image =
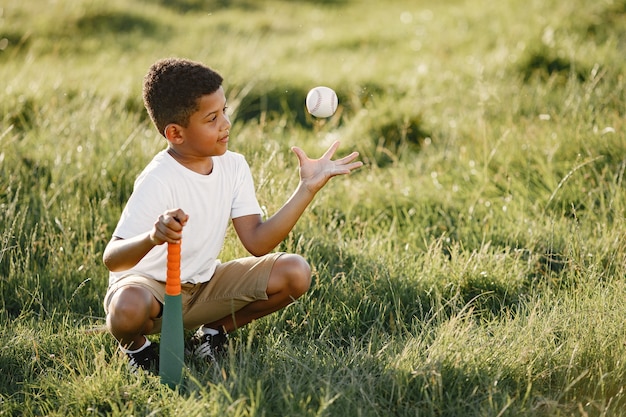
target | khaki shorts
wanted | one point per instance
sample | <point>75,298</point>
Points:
<point>234,285</point>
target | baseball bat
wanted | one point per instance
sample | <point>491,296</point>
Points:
<point>171,350</point>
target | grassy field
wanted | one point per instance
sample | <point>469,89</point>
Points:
<point>474,267</point>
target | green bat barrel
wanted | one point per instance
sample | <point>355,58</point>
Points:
<point>172,342</point>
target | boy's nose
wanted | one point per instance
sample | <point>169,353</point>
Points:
<point>226,123</point>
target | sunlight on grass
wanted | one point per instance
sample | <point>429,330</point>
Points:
<point>473,266</point>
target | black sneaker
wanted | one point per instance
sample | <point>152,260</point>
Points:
<point>146,359</point>
<point>206,346</point>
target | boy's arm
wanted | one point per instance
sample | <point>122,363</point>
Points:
<point>123,254</point>
<point>260,237</point>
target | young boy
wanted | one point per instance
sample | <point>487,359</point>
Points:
<point>189,192</point>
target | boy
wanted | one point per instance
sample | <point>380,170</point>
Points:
<point>190,191</point>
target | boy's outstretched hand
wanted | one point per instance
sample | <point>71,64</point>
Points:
<point>315,173</point>
<point>260,237</point>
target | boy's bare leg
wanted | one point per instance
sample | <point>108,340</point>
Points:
<point>289,279</point>
<point>131,315</point>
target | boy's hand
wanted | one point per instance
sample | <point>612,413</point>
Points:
<point>169,227</point>
<point>315,173</point>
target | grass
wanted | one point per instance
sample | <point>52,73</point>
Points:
<point>473,267</point>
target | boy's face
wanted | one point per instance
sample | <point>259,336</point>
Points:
<point>207,133</point>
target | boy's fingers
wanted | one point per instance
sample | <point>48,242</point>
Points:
<point>181,216</point>
<point>168,228</point>
<point>300,154</point>
<point>175,219</point>
<point>348,158</point>
<point>172,223</point>
<point>331,150</point>
<point>353,166</point>
<point>158,236</point>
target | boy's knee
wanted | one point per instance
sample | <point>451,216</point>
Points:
<point>291,276</point>
<point>129,309</point>
<point>299,274</point>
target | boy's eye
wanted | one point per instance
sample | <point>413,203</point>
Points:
<point>213,116</point>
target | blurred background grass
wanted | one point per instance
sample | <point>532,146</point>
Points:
<point>474,266</point>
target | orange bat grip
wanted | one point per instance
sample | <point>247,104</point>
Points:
<point>172,282</point>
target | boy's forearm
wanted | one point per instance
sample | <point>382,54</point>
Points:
<point>123,254</point>
<point>289,214</point>
<point>274,230</point>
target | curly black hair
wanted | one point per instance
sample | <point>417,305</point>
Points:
<point>172,88</point>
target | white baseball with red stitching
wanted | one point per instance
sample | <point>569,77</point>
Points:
<point>321,102</point>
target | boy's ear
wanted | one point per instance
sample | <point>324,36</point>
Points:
<point>173,133</point>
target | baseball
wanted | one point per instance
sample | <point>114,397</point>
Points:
<point>321,102</point>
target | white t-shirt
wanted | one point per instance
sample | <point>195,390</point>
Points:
<point>209,200</point>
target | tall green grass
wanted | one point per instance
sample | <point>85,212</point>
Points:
<point>474,266</point>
